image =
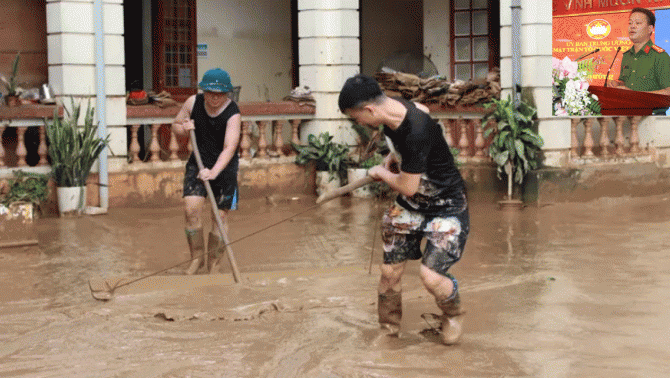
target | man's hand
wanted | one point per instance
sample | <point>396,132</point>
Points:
<point>376,172</point>
<point>391,163</point>
<point>207,174</point>
<point>188,125</point>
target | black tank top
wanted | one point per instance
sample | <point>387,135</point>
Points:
<point>210,133</point>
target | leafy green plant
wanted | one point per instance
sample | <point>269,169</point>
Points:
<point>73,149</point>
<point>26,187</point>
<point>515,147</point>
<point>10,83</point>
<point>326,154</point>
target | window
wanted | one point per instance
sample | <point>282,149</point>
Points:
<point>475,36</point>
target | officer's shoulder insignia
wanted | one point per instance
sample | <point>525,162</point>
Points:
<point>658,49</point>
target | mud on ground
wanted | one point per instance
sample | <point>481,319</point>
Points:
<point>560,291</point>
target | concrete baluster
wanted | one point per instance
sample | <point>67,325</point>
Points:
<point>447,123</point>
<point>134,144</point>
<point>464,143</point>
<point>21,151</point>
<point>155,147</point>
<point>574,144</point>
<point>42,149</point>
<point>604,136</point>
<point>295,137</point>
<point>479,138</point>
<point>245,141</point>
<point>278,126</point>
<point>262,142</point>
<point>619,140</point>
<point>588,137</point>
<point>634,136</point>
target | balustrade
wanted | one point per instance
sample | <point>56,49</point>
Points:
<point>606,147</point>
<point>467,135</point>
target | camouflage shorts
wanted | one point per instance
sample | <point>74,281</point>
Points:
<point>403,230</point>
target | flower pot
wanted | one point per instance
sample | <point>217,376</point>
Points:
<point>326,181</point>
<point>71,200</point>
<point>12,101</point>
<point>354,174</point>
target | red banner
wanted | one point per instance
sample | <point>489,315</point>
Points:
<point>581,7</point>
<point>577,36</point>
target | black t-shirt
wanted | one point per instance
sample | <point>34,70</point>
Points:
<point>210,133</point>
<point>420,142</point>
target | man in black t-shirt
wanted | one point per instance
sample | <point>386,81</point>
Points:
<point>431,204</point>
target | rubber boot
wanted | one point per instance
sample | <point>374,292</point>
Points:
<point>389,306</point>
<point>214,251</point>
<point>452,317</point>
<point>196,243</point>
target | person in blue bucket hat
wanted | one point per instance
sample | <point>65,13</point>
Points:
<point>216,120</point>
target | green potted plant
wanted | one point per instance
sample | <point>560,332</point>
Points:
<point>370,145</point>
<point>11,85</point>
<point>328,157</point>
<point>515,147</point>
<point>73,150</point>
<point>25,189</point>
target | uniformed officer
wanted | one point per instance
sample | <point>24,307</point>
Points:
<point>645,66</point>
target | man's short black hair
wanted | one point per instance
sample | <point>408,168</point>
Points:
<point>651,19</point>
<point>357,90</point>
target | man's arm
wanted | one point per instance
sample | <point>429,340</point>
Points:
<point>405,183</point>
<point>182,122</point>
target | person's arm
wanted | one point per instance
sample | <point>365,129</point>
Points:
<point>403,182</point>
<point>422,107</point>
<point>183,123</point>
<point>662,68</point>
<point>231,141</point>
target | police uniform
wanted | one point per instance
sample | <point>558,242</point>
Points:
<point>646,70</point>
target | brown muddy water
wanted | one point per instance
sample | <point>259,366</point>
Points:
<point>559,291</point>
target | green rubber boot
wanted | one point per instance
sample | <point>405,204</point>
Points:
<point>389,306</point>
<point>214,251</point>
<point>196,244</point>
<point>452,317</point>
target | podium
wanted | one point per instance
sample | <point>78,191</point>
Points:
<point>615,101</point>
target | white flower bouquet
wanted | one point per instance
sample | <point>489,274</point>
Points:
<point>570,88</point>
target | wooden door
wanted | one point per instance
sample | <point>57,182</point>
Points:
<point>174,47</point>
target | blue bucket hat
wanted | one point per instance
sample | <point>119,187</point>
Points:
<point>216,80</point>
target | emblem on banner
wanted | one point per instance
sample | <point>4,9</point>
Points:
<point>598,29</point>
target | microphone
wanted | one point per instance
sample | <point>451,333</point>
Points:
<point>613,60</point>
<point>587,54</point>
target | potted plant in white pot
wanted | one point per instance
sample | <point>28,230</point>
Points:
<point>515,147</point>
<point>328,157</point>
<point>73,150</point>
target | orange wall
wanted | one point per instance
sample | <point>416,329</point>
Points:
<point>23,27</point>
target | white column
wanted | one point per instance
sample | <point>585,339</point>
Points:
<point>329,53</point>
<point>535,71</point>
<point>71,59</point>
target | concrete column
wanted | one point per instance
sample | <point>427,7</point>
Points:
<point>71,59</point>
<point>535,72</point>
<point>329,53</point>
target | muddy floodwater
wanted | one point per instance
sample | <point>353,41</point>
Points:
<point>570,290</point>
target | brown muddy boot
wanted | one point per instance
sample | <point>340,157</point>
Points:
<point>196,243</point>
<point>214,251</point>
<point>452,317</point>
<point>389,306</point>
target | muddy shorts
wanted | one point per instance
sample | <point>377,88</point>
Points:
<point>403,231</point>
<point>224,187</point>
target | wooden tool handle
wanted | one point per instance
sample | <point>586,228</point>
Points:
<point>215,210</point>
<point>327,196</point>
